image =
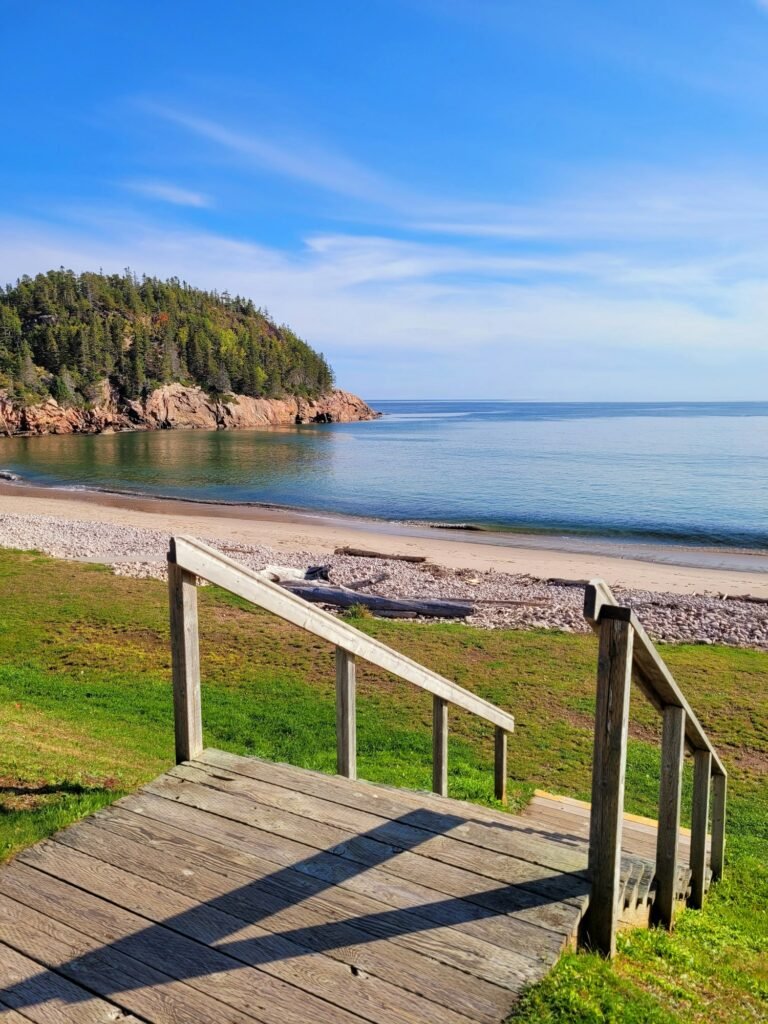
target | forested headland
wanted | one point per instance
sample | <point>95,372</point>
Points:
<point>62,334</point>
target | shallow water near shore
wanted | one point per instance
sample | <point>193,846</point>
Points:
<point>634,474</point>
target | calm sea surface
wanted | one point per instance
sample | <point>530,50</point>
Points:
<point>693,473</point>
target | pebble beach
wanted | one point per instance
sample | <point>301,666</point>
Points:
<point>501,600</point>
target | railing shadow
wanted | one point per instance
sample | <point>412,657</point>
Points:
<point>180,946</point>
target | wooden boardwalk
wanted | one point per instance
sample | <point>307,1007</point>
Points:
<point>232,889</point>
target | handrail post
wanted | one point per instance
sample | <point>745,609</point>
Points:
<point>719,794</point>
<point>668,836</point>
<point>500,763</point>
<point>702,773</point>
<point>346,714</point>
<point>185,660</point>
<point>439,746</point>
<point>614,674</point>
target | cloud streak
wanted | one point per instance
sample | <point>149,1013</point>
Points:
<point>666,273</point>
<point>300,159</point>
<point>351,294</point>
<point>168,193</point>
<point>620,204</point>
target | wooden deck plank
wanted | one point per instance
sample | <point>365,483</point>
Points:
<point>302,870</point>
<point>199,917</point>
<point>572,817</point>
<point>578,811</point>
<point>9,1016</point>
<point>320,925</point>
<point>638,844</point>
<point>472,827</point>
<point>31,993</point>
<point>307,870</point>
<point>543,896</point>
<point>234,891</point>
<point>246,993</point>
<point>149,993</point>
<point>455,867</point>
<point>283,903</point>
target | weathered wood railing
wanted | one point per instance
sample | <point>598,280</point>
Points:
<point>627,653</point>
<point>189,558</point>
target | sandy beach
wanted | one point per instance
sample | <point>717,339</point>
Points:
<point>518,585</point>
<point>635,567</point>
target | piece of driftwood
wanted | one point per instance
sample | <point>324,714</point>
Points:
<point>363,553</point>
<point>279,573</point>
<point>372,581</point>
<point>457,526</point>
<point>343,598</point>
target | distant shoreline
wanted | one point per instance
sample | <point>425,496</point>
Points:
<point>656,567</point>
<point>657,549</point>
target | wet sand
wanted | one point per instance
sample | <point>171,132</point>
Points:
<point>623,564</point>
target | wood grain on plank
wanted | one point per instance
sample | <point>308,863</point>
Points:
<point>47,998</point>
<point>292,910</point>
<point>138,988</point>
<point>195,913</point>
<point>466,869</point>
<point>551,900</point>
<point>532,925</point>
<point>290,894</point>
<point>246,993</point>
<point>9,1016</point>
<point>479,826</point>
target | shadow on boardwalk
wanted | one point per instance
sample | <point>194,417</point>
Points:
<point>202,942</point>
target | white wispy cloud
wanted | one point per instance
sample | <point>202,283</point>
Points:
<point>623,205</point>
<point>169,193</point>
<point>617,204</point>
<point>347,293</point>
<point>300,158</point>
<point>632,286</point>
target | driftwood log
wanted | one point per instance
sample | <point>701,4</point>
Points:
<point>363,553</point>
<point>357,584</point>
<point>341,597</point>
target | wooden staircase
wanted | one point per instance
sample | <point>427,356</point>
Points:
<point>567,821</point>
<point>233,889</point>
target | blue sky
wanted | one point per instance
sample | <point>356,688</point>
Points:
<point>550,200</point>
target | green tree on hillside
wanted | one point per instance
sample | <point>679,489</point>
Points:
<point>62,333</point>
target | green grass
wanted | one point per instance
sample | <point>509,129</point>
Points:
<point>85,715</point>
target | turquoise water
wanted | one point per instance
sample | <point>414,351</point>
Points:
<point>693,473</point>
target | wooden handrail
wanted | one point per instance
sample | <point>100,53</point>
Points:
<point>189,559</point>
<point>651,674</point>
<point>626,653</point>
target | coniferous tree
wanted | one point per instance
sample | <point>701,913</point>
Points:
<point>61,334</point>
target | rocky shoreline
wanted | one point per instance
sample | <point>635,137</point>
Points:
<point>177,407</point>
<point>501,600</point>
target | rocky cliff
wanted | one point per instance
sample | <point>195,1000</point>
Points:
<point>176,407</point>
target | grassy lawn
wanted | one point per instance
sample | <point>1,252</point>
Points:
<point>85,716</point>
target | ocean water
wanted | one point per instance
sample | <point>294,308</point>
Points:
<point>686,473</point>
